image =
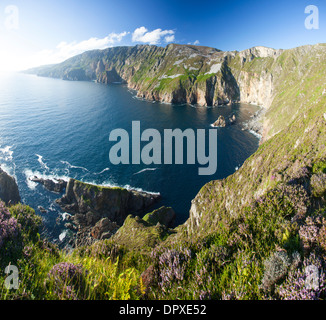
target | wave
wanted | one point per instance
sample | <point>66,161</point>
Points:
<point>7,153</point>
<point>29,174</point>
<point>104,170</point>
<point>64,215</point>
<point>127,187</point>
<point>147,169</point>
<point>259,136</point>
<point>62,235</point>
<point>72,166</point>
<point>42,163</point>
<point>11,171</point>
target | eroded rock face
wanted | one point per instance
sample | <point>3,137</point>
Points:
<point>220,122</point>
<point>9,192</point>
<point>112,203</point>
<point>97,212</point>
<point>232,119</point>
<point>104,229</point>
<point>165,216</point>
<point>53,185</point>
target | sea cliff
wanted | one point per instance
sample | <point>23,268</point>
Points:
<point>251,235</point>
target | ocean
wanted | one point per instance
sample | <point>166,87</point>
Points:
<point>52,128</point>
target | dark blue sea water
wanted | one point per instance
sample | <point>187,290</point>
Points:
<point>55,128</point>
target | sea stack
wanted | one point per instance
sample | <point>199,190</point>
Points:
<point>220,122</point>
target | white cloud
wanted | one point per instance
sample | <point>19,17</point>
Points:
<point>152,37</point>
<point>64,50</point>
<point>74,48</point>
<point>169,38</point>
<point>196,43</point>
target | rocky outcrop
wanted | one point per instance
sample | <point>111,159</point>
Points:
<point>9,192</point>
<point>53,185</point>
<point>165,216</point>
<point>97,212</point>
<point>220,122</point>
<point>232,120</point>
<point>113,203</point>
<point>86,232</point>
<point>104,229</point>
<point>138,234</point>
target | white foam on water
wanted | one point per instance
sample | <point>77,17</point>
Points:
<point>9,170</point>
<point>127,187</point>
<point>259,136</point>
<point>42,163</point>
<point>6,153</point>
<point>72,166</point>
<point>62,235</point>
<point>65,215</point>
<point>29,174</point>
<point>147,169</point>
<point>104,170</point>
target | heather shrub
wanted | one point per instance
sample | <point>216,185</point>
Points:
<point>312,234</point>
<point>318,184</point>
<point>10,237</point>
<point>29,221</point>
<point>304,283</point>
<point>171,265</point>
<point>66,281</point>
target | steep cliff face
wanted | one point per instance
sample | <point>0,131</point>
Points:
<point>96,202</point>
<point>292,158</point>
<point>177,73</point>
<point>195,75</point>
<point>9,192</point>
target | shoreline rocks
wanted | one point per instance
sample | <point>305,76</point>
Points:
<point>53,185</point>
<point>112,202</point>
<point>164,215</point>
<point>255,124</point>
<point>98,212</point>
<point>9,192</point>
<point>232,119</point>
<point>220,122</point>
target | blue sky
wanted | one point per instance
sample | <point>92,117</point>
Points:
<point>50,31</point>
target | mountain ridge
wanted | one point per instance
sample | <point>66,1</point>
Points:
<point>185,73</point>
